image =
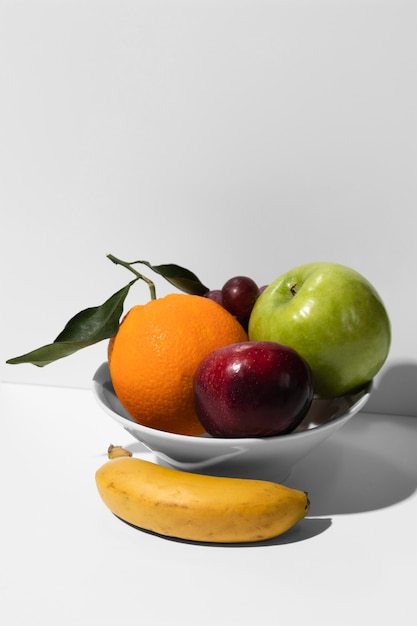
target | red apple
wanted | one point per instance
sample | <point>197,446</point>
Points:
<point>252,389</point>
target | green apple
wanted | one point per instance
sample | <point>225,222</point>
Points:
<point>333,317</point>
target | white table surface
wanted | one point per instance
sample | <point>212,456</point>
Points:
<point>66,560</point>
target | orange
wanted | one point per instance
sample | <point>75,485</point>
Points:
<point>155,354</point>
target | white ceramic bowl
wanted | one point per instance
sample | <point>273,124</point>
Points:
<point>265,457</point>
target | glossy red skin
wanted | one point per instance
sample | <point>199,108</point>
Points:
<point>252,389</point>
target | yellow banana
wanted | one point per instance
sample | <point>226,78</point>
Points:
<point>114,452</point>
<point>195,507</point>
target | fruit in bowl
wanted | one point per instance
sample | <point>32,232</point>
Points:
<point>252,389</point>
<point>333,317</point>
<point>330,315</point>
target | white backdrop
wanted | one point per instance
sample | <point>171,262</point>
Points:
<point>231,137</point>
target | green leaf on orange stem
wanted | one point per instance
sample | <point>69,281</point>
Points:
<point>84,329</point>
<point>180,277</point>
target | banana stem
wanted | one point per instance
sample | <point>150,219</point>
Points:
<point>128,266</point>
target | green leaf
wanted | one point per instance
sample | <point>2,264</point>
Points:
<point>49,353</point>
<point>180,277</point>
<point>84,329</point>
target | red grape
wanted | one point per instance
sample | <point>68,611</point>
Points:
<point>239,295</point>
<point>214,294</point>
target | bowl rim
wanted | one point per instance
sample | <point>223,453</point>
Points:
<point>102,378</point>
